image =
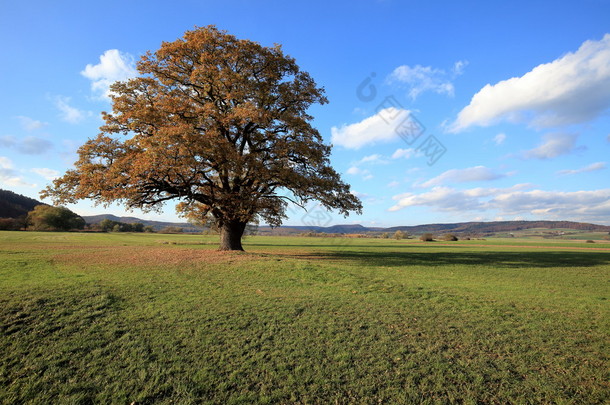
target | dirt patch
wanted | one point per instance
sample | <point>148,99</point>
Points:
<point>147,256</point>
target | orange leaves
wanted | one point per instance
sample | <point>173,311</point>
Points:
<point>216,122</point>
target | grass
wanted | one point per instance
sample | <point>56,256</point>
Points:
<point>119,318</point>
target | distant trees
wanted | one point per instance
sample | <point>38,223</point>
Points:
<point>449,237</point>
<point>8,224</point>
<point>427,237</point>
<point>108,225</point>
<point>47,218</point>
<point>398,235</point>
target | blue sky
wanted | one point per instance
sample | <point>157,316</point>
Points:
<point>439,111</point>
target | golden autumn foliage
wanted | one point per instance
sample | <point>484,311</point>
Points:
<point>219,124</point>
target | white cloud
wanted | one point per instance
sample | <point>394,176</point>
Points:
<point>420,79</point>
<point>591,205</point>
<point>354,170</point>
<point>393,184</point>
<point>48,174</point>
<point>379,128</point>
<point>458,67</point>
<point>69,114</point>
<point>114,66</point>
<point>553,145</point>
<point>591,168</point>
<point>30,145</point>
<point>375,158</point>
<point>404,153</point>
<point>30,124</point>
<point>5,163</point>
<point>499,139</point>
<point>9,176</point>
<point>477,173</point>
<point>572,89</point>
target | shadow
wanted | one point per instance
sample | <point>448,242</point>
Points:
<point>540,259</point>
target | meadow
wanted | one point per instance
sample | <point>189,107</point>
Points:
<point>149,318</point>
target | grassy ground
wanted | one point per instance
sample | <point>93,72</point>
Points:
<point>116,318</point>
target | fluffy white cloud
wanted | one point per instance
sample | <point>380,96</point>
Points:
<point>378,128</point>
<point>404,153</point>
<point>69,114</point>
<point>593,206</point>
<point>114,66</point>
<point>553,145</point>
<point>477,173</point>
<point>499,139</point>
<point>375,158</point>
<point>393,184</point>
<point>590,168</point>
<point>355,171</point>
<point>9,176</point>
<point>48,174</point>
<point>420,79</point>
<point>30,124</point>
<point>572,89</point>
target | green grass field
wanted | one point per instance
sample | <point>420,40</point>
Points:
<point>148,318</point>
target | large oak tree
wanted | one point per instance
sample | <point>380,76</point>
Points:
<point>219,124</point>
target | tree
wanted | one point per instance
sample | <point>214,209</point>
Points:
<point>398,235</point>
<point>427,237</point>
<point>219,124</point>
<point>47,218</point>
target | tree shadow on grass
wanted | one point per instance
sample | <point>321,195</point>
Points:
<point>543,259</point>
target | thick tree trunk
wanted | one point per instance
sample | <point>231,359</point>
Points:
<point>230,235</point>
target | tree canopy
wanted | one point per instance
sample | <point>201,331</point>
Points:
<point>47,218</point>
<point>219,124</point>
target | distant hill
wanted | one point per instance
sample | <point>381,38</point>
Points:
<point>498,226</point>
<point>157,225</point>
<point>13,205</point>
<point>462,228</point>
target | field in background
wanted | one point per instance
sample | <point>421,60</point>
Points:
<point>149,318</point>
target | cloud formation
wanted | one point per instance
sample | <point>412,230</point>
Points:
<point>404,153</point>
<point>30,145</point>
<point>9,176</point>
<point>477,173</point>
<point>68,113</point>
<point>499,139</point>
<point>48,174</point>
<point>592,206</point>
<point>572,89</point>
<point>553,145</point>
<point>590,168</point>
<point>114,66</point>
<point>420,79</point>
<point>30,124</point>
<point>379,128</point>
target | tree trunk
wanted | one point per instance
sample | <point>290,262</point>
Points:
<point>230,235</point>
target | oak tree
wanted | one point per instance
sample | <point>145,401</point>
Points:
<point>217,123</point>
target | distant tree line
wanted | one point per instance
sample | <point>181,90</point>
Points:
<point>48,218</point>
<point>108,225</point>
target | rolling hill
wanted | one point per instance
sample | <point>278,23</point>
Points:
<point>13,205</point>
